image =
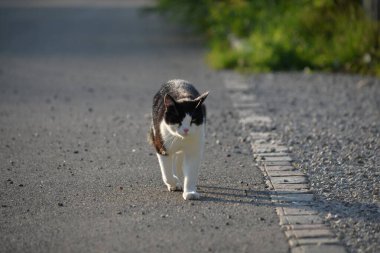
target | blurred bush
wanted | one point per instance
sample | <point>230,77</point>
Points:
<point>266,35</point>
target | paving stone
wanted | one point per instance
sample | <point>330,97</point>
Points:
<point>288,186</point>
<point>268,148</point>
<point>300,219</point>
<point>255,119</point>
<point>284,173</point>
<point>246,105</point>
<point>299,210</point>
<point>290,191</point>
<point>279,168</point>
<point>260,141</point>
<point>266,141</point>
<point>307,241</point>
<point>276,159</point>
<point>309,233</point>
<point>270,154</point>
<point>304,226</point>
<point>323,248</point>
<point>262,136</point>
<point>242,97</point>
<point>276,163</point>
<point>289,180</point>
<point>296,210</point>
<point>247,113</point>
<point>236,86</point>
<point>296,197</point>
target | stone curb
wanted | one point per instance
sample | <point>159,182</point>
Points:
<point>290,193</point>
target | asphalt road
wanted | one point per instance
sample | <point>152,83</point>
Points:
<point>77,175</point>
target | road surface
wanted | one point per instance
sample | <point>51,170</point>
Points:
<point>77,174</point>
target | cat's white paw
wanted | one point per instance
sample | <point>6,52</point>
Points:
<point>191,195</point>
<point>173,188</point>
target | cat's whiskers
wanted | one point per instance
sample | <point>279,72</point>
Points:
<point>170,139</point>
<point>172,142</point>
<point>173,133</point>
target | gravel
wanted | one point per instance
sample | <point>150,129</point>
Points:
<point>331,122</point>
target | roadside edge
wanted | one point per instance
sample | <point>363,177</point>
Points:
<point>289,189</point>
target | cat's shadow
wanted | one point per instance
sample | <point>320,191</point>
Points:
<point>228,195</point>
<point>219,194</point>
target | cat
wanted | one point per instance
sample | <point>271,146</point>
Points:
<point>178,135</point>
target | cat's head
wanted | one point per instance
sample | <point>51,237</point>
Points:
<point>185,116</point>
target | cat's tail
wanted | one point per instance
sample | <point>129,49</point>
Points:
<point>156,142</point>
<point>150,137</point>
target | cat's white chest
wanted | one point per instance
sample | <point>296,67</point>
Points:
<point>176,140</point>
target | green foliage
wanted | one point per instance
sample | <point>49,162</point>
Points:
<point>265,35</point>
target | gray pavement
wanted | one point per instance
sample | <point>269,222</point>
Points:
<point>77,175</point>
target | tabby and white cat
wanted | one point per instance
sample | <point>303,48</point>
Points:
<point>178,135</point>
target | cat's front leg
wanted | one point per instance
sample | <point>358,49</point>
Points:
<point>190,171</point>
<point>178,165</point>
<point>166,165</point>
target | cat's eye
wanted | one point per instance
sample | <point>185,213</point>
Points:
<point>172,111</point>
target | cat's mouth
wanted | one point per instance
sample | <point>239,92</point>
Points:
<point>183,135</point>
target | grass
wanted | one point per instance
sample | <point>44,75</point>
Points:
<point>272,35</point>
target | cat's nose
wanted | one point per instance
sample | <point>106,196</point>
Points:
<point>186,130</point>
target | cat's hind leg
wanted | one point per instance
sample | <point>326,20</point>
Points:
<point>166,165</point>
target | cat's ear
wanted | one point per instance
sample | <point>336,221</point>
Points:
<point>201,99</point>
<point>168,101</point>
